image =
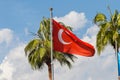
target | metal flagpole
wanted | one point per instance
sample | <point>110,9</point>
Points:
<point>52,65</point>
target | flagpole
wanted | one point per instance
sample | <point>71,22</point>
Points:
<point>52,65</point>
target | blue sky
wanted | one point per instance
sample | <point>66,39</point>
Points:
<point>19,18</point>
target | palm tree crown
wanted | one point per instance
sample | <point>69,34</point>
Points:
<point>109,30</point>
<point>38,50</point>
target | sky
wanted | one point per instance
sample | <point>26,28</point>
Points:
<point>20,18</point>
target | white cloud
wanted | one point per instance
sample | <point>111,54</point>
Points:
<point>90,35</point>
<point>6,35</point>
<point>92,31</point>
<point>16,67</point>
<point>74,19</point>
<point>90,68</point>
<point>7,71</point>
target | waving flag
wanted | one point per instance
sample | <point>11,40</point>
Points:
<point>65,41</point>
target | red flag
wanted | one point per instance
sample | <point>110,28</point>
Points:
<point>65,41</point>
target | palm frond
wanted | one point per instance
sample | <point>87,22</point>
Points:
<point>100,18</point>
<point>32,45</point>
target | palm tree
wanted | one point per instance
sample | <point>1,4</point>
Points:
<point>38,50</point>
<point>109,31</point>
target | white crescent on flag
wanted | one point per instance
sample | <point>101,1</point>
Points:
<point>60,37</point>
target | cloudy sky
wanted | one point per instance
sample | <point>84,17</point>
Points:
<point>18,19</point>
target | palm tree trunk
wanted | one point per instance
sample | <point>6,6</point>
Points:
<point>50,71</point>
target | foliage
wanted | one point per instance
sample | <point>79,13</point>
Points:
<point>109,32</point>
<point>38,50</point>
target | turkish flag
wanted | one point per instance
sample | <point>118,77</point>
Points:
<point>65,41</point>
